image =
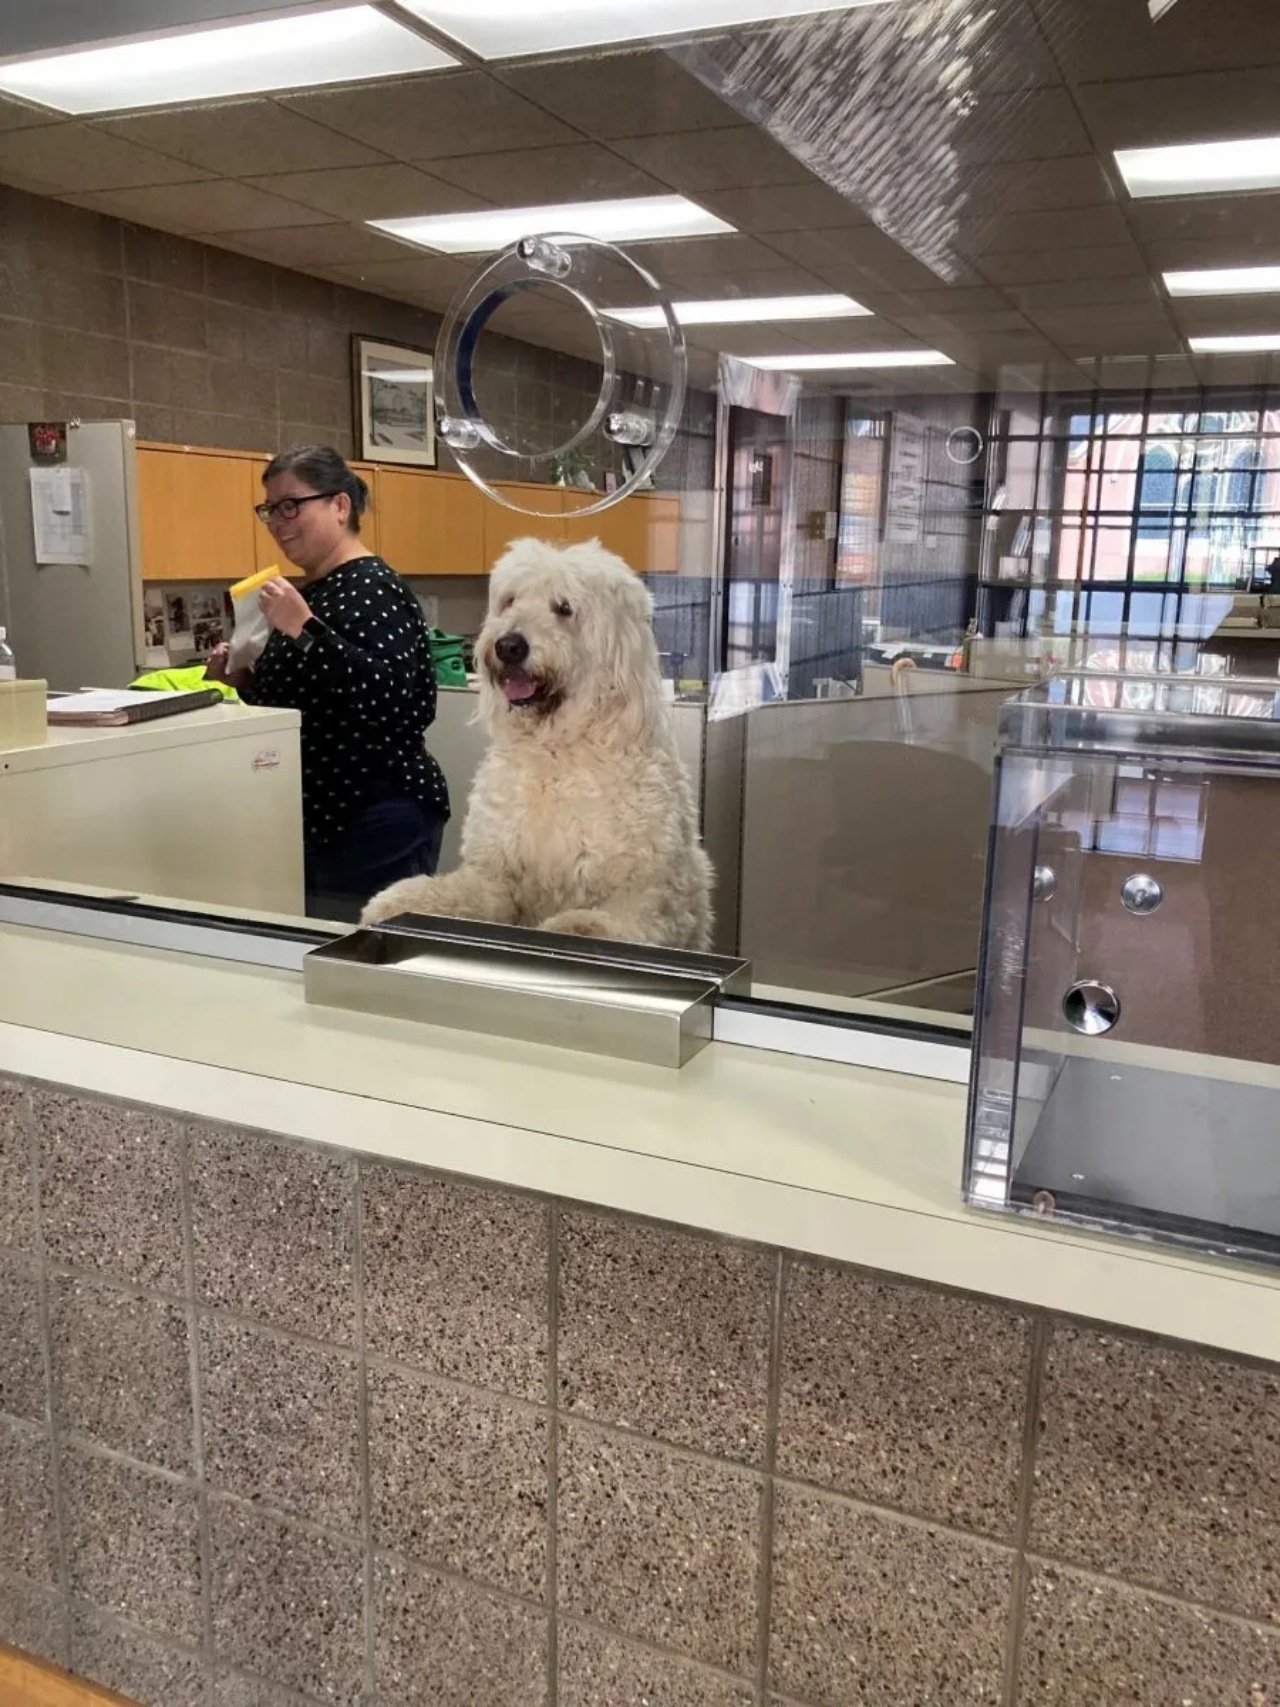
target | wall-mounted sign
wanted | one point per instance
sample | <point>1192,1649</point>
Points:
<point>47,441</point>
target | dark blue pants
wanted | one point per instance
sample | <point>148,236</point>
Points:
<point>387,841</point>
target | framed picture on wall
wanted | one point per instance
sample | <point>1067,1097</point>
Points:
<point>395,403</point>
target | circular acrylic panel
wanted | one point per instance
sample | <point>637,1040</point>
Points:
<point>612,334</point>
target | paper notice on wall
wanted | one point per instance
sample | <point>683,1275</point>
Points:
<point>904,499</point>
<point>60,515</point>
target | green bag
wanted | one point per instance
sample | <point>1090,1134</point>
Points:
<point>188,679</point>
<point>449,655</point>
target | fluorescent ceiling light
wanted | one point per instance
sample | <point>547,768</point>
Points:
<point>1236,345</point>
<point>502,29</point>
<point>854,359</point>
<point>637,219</point>
<point>1224,281</point>
<point>339,45</point>
<point>1201,168</point>
<point>744,311</point>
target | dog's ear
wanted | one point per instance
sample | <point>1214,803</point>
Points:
<point>627,654</point>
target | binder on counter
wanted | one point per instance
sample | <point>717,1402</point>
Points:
<point>109,708</point>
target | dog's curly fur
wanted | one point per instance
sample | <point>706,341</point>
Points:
<point>581,819</point>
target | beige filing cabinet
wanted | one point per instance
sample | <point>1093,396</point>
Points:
<point>203,807</point>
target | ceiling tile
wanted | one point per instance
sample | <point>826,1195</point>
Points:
<point>784,207</point>
<point>15,114</point>
<point>74,157</point>
<point>1259,247</point>
<point>1041,124</point>
<point>1206,317</point>
<point>1095,39</point>
<point>580,171</point>
<point>1073,293</point>
<point>431,118</point>
<point>1077,180</point>
<point>196,209</point>
<point>393,191</point>
<point>750,340</point>
<point>241,138</point>
<point>943,299</point>
<point>1090,228</point>
<point>779,280</point>
<point>700,259</point>
<point>1244,226</point>
<point>1116,260</point>
<point>692,160</point>
<point>1151,111</point>
<point>419,275</point>
<point>317,245</point>
<point>625,94</point>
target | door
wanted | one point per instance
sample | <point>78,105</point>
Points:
<point>758,475</point>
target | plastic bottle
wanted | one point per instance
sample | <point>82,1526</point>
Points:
<point>8,664</point>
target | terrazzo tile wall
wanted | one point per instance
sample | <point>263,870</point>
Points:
<point>284,1426</point>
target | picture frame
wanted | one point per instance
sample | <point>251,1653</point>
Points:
<point>395,414</point>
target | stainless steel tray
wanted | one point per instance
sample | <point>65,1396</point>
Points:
<point>620,999</point>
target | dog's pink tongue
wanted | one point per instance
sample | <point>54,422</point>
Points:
<point>519,688</point>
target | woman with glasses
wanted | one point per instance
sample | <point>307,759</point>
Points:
<point>350,650</point>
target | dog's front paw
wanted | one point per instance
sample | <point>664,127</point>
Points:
<point>410,895</point>
<point>581,921</point>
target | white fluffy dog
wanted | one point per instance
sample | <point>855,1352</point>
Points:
<point>582,818</point>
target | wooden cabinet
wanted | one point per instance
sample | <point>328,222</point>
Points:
<point>196,519</point>
<point>644,530</point>
<point>198,522</point>
<point>430,524</point>
<point>502,525</point>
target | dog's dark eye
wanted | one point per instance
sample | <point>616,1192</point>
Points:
<point>562,607</point>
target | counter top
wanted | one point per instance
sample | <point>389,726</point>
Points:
<point>73,744</point>
<point>841,1162</point>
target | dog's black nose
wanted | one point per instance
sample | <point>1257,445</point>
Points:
<point>512,650</point>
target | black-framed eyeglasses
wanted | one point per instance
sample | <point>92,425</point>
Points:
<point>285,509</point>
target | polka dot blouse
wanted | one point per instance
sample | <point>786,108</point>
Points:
<point>366,689</point>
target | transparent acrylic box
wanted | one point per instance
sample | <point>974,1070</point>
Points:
<point>1127,1049</point>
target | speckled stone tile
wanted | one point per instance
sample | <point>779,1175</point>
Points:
<point>903,1397</point>
<point>459,1479</point>
<point>287,1604</point>
<point>438,1642</point>
<point>31,1619</point>
<point>22,1374</point>
<point>1091,1641</point>
<point>273,1228</point>
<point>666,1332</point>
<point>281,1422</point>
<point>122,1371</point>
<point>133,1544</point>
<point>596,1667</point>
<point>1161,1465</point>
<point>17,1198</point>
<point>880,1611</point>
<point>137,1666</point>
<point>110,1188</point>
<point>660,1546</point>
<point>455,1279</point>
<point>232,1689</point>
<point>28,1528</point>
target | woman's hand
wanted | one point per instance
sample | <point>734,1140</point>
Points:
<point>284,608</point>
<point>216,668</point>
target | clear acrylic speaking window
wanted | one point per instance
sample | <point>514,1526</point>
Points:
<point>519,438</point>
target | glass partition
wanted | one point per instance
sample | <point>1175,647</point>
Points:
<point>970,397</point>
